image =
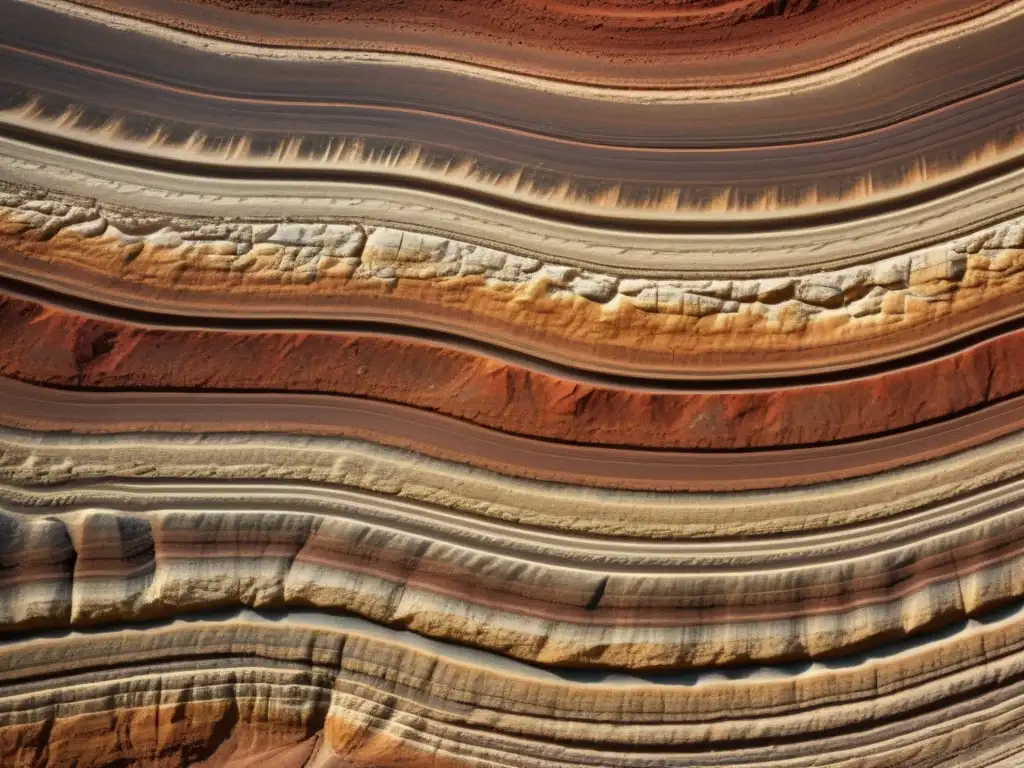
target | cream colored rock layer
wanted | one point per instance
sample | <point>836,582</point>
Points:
<point>31,459</point>
<point>989,509</point>
<point>624,253</point>
<point>921,705</point>
<point>278,260</point>
<point>722,605</point>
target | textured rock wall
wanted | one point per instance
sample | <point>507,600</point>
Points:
<point>650,396</point>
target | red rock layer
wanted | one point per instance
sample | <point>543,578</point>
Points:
<point>45,345</point>
<point>663,42</point>
<point>203,733</point>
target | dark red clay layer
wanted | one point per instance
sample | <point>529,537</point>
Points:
<point>45,345</point>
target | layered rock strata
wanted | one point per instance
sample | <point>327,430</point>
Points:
<point>47,345</point>
<point>363,271</point>
<point>376,697</point>
<point>722,187</point>
<point>664,44</point>
<point>611,404</point>
<point>246,111</point>
<point>56,458</point>
<point>695,607</point>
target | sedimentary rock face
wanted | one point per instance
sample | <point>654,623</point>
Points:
<point>469,384</point>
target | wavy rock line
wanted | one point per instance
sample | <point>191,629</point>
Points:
<point>132,191</point>
<point>572,72</point>
<point>45,344</point>
<point>885,184</point>
<point>46,459</point>
<point>881,711</point>
<point>363,409</point>
<point>607,554</point>
<point>105,565</point>
<point>341,264</point>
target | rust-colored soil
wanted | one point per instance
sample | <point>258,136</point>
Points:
<point>44,345</point>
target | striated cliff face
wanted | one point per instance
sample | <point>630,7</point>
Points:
<point>575,606</point>
<point>548,385</point>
